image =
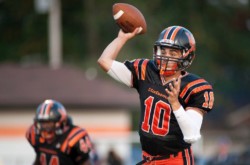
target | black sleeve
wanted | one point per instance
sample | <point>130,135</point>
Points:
<point>130,65</point>
<point>81,149</point>
<point>203,100</point>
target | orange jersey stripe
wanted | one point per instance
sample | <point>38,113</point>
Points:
<point>136,63</point>
<point>33,135</point>
<point>188,86</point>
<point>30,134</point>
<point>64,146</point>
<point>187,157</point>
<point>191,151</point>
<point>75,139</point>
<point>196,90</point>
<point>143,69</point>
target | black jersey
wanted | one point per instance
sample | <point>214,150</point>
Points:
<point>70,148</point>
<point>159,130</point>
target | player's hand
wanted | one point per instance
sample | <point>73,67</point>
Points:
<point>128,36</point>
<point>173,93</point>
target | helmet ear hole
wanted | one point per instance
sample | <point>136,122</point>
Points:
<point>185,63</point>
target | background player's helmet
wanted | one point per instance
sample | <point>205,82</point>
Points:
<point>179,38</point>
<point>50,119</point>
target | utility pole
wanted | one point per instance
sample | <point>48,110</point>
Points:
<point>54,25</point>
<point>53,9</point>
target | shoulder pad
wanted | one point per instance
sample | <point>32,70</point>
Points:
<point>73,137</point>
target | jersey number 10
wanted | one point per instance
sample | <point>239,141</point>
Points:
<point>160,107</point>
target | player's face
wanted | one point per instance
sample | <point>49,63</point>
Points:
<point>47,130</point>
<point>170,63</point>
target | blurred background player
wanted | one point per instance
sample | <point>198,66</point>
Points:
<point>113,158</point>
<point>172,100</point>
<point>55,139</point>
<point>223,155</point>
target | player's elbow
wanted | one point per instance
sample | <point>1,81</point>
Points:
<point>100,61</point>
<point>103,64</point>
<point>192,139</point>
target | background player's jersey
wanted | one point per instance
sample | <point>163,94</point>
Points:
<point>159,130</point>
<point>71,148</point>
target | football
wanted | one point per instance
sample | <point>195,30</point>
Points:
<point>128,17</point>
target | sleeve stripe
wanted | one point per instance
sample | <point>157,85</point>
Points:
<point>191,84</point>
<point>30,135</point>
<point>33,135</point>
<point>196,90</point>
<point>136,63</point>
<point>76,138</point>
<point>143,69</point>
<point>72,133</point>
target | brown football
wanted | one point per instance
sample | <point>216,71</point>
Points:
<point>128,17</point>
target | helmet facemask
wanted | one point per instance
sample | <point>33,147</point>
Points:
<point>47,129</point>
<point>167,65</point>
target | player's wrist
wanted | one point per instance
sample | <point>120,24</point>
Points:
<point>123,39</point>
<point>176,106</point>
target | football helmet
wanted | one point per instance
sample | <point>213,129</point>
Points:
<point>175,37</point>
<point>50,119</point>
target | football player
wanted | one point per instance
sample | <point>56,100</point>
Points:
<point>173,101</point>
<point>55,139</point>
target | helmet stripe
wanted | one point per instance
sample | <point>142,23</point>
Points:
<point>174,33</point>
<point>42,109</point>
<point>191,41</point>
<point>166,33</point>
<point>171,32</point>
<point>63,114</point>
<point>48,108</point>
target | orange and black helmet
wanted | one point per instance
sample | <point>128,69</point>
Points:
<point>51,111</point>
<point>176,37</point>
